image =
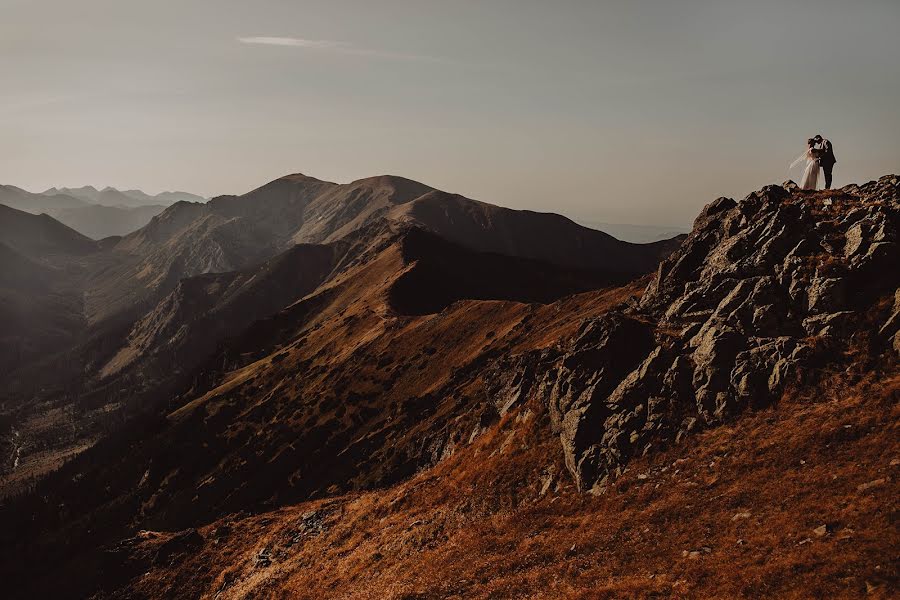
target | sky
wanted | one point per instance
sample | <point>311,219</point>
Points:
<point>630,111</point>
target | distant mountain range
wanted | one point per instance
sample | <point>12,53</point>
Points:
<point>99,213</point>
<point>110,196</point>
<point>92,212</point>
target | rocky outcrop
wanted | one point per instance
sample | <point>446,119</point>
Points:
<point>762,293</point>
<point>891,329</point>
<point>580,388</point>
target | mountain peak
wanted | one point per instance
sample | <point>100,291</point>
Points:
<point>298,177</point>
<point>388,180</point>
<point>72,191</point>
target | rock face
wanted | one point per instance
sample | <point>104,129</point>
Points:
<point>585,382</point>
<point>761,293</point>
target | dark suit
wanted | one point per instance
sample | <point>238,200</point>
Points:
<point>827,161</point>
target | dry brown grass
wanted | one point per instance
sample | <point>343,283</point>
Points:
<point>746,498</point>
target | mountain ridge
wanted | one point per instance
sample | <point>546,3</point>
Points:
<point>394,397</point>
<point>301,209</point>
<point>40,236</point>
<point>110,196</point>
<point>234,232</point>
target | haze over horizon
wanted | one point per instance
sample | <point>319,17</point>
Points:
<point>602,111</point>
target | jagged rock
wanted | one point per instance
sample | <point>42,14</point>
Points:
<point>263,558</point>
<point>880,258</point>
<point>745,289</point>
<point>716,206</point>
<point>603,352</point>
<point>632,408</point>
<point>766,317</point>
<point>715,348</point>
<point>837,324</point>
<point>678,380</point>
<point>892,325</point>
<point>760,374</point>
<point>738,302</point>
<point>825,294</point>
<point>512,379</point>
<point>856,240</point>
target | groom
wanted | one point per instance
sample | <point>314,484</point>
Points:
<point>827,159</point>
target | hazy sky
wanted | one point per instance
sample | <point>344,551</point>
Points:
<point>622,111</point>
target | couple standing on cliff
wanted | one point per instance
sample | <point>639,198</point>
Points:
<point>819,154</point>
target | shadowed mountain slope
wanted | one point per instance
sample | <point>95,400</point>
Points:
<point>187,324</point>
<point>543,236</point>
<point>443,272</point>
<point>38,311</point>
<point>40,236</point>
<point>41,302</point>
<point>19,272</point>
<point>347,339</point>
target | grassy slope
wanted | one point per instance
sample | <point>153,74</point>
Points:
<point>745,499</point>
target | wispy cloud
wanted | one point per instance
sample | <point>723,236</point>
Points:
<point>290,41</point>
<point>336,47</point>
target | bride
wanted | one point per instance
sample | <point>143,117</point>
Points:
<point>810,178</point>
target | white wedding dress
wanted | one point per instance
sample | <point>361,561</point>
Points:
<point>810,178</point>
